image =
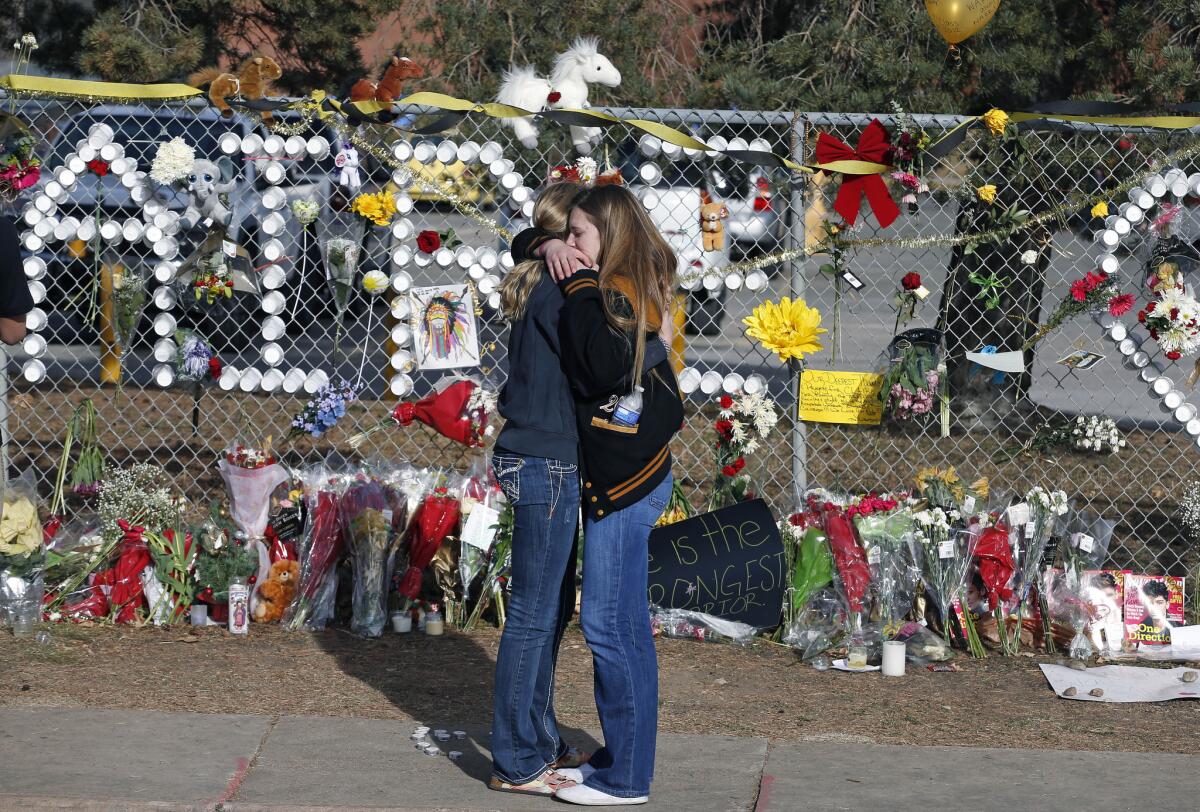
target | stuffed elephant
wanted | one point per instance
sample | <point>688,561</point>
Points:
<point>209,185</point>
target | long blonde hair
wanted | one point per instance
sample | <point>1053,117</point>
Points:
<point>634,260</point>
<point>550,213</point>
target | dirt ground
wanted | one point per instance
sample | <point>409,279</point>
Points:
<point>759,690</point>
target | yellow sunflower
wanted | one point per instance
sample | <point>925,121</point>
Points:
<point>789,329</point>
<point>996,121</point>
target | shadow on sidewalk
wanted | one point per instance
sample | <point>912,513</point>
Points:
<point>442,682</point>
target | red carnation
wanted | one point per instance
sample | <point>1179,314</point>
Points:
<point>429,241</point>
<point>1121,304</point>
<point>214,367</point>
<point>796,520</point>
<point>724,427</point>
<point>1174,355</point>
<point>911,281</point>
<point>1079,290</point>
<point>1094,279</point>
<point>762,204</point>
<point>726,402</point>
<point>98,166</point>
<point>1141,316</point>
<point>729,471</point>
<point>553,97</point>
<point>739,463</point>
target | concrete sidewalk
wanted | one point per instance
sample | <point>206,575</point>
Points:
<point>87,759</point>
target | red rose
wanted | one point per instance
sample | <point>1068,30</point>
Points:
<point>911,281</point>
<point>724,427</point>
<point>1174,355</point>
<point>214,367</point>
<point>739,463</point>
<point>553,97</point>
<point>729,471</point>
<point>429,241</point>
<point>726,402</point>
<point>98,166</point>
<point>1124,144</point>
<point>1141,316</point>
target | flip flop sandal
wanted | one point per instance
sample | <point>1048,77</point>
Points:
<point>545,784</point>
<point>574,757</point>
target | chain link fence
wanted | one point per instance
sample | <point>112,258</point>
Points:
<point>153,416</point>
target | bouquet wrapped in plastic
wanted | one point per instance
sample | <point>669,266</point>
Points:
<point>251,474</point>
<point>851,570</point>
<point>946,560</point>
<point>1068,592</point>
<point>885,529</point>
<point>22,556</point>
<point>1033,523</point>
<point>681,623</point>
<point>996,568</point>
<point>320,547</point>
<point>481,501</point>
<point>436,517</point>
<point>459,408</point>
<point>367,525</point>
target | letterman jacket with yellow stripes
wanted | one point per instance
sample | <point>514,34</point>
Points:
<point>619,464</point>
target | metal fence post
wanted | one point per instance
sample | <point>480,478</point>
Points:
<point>795,238</point>
<point>3,419</point>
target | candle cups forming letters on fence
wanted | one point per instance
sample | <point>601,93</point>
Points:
<point>401,361</point>
<point>1185,413</point>
<point>229,143</point>
<point>493,300</point>
<point>249,380</point>
<point>37,292</point>
<point>35,268</point>
<point>293,380</point>
<point>273,303</point>
<point>31,215</point>
<point>404,203</point>
<point>733,383</point>
<point>151,234</point>
<point>490,152</point>
<point>400,307</point>
<point>317,148</point>
<point>689,380</point>
<point>251,144</point>
<point>401,385</point>
<point>111,152</point>
<point>488,284</point>
<point>710,382</point>
<point>893,658</point>
<point>164,325</point>
<point>274,198</point>
<point>1193,427</point>
<point>402,229</point>
<point>734,280</point>
<point>272,250</point>
<point>464,255</point>
<point>272,379</point>
<point>402,256</point>
<point>272,354</point>
<point>672,152</point>
<point>273,224</point>
<point>315,381</point>
<point>33,370</point>
<point>650,174</point>
<point>1139,360</point>
<point>754,384</point>
<point>1156,185</point>
<point>447,152</point>
<point>468,151</point>
<point>402,150</point>
<point>164,375</point>
<point>34,345</point>
<point>164,297</point>
<point>86,152</point>
<point>35,319</point>
<point>273,277</point>
<point>273,146</point>
<point>424,152</point>
<point>401,282</point>
<point>506,261</point>
<point>164,272</point>
<point>229,379</point>
<point>1173,399</point>
<point>294,147</point>
<point>164,350</point>
<point>476,272</point>
<point>1162,385</point>
<point>274,173</point>
<point>33,243</point>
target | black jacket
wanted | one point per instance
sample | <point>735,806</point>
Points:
<point>620,464</point>
<point>536,402</point>
<point>15,299</point>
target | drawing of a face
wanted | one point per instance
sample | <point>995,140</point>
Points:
<point>446,323</point>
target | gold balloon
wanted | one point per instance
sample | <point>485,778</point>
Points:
<point>956,20</point>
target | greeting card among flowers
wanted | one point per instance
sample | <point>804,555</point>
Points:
<point>443,323</point>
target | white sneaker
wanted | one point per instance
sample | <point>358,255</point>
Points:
<point>577,774</point>
<point>586,796</point>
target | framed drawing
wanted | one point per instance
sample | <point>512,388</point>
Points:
<point>445,335</point>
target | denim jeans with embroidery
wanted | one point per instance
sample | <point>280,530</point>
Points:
<point>615,616</point>
<point>544,494</point>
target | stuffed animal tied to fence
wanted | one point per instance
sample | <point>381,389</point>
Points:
<point>208,186</point>
<point>711,215</point>
<point>251,82</point>
<point>567,87</point>
<point>390,86</point>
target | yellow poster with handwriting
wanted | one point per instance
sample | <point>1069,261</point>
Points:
<point>840,397</point>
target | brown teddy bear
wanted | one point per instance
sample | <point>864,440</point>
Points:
<point>711,215</point>
<point>276,593</point>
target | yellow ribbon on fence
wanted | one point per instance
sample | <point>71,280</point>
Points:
<point>95,91</point>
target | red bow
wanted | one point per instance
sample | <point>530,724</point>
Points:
<point>873,147</point>
<point>445,411</point>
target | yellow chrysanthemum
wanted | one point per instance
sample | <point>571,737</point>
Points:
<point>1100,209</point>
<point>986,193</point>
<point>996,121</point>
<point>788,329</point>
<point>378,207</point>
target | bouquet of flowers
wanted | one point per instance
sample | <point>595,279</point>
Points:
<point>742,423</point>
<point>341,266</point>
<point>499,563</point>
<point>22,554</point>
<point>437,515</point>
<point>19,166</point>
<point>914,377</point>
<point>1068,592</point>
<point>945,489</point>
<point>481,507</point>
<point>323,410</point>
<point>316,590</point>
<point>219,559</point>
<point>996,568</point>
<point>1094,291</point>
<point>378,208</point>
<point>1032,524</point>
<point>251,474</point>
<point>169,584</point>
<point>366,520</point>
<point>213,278</point>
<point>1173,319</point>
<point>885,529</point>
<point>678,507</point>
<point>947,559</point>
<point>850,562</point>
<point>128,302</point>
<point>459,408</point>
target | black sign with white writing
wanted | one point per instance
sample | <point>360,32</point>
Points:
<point>728,563</point>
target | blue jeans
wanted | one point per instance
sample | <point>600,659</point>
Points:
<point>544,494</point>
<point>615,616</point>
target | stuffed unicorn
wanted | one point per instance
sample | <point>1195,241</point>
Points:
<point>347,162</point>
<point>574,69</point>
